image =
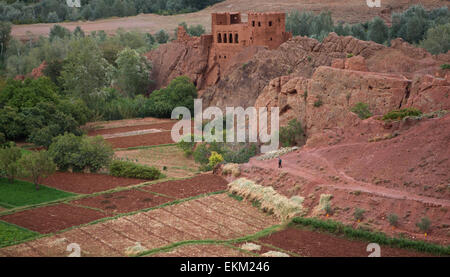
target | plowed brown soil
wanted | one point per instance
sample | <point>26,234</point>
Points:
<point>200,184</point>
<point>123,201</point>
<point>315,244</point>
<point>52,218</point>
<point>87,182</point>
<point>142,140</point>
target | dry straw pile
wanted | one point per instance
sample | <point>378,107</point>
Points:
<point>270,201</point>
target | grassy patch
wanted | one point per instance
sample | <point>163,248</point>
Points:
<point>12,234</point>
<point>338,228</point>
<point>21,193</point>
<point>400,114</point>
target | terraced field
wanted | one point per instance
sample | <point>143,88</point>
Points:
<point>215,217</point>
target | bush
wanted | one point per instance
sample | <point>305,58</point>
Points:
<point>214,159</point>
<point>181,92</point>
<point>37,165</point>
<point>359,214</point>
<point>393,219</point>
<point>437,39</point>
<point>131,170</point>
<point>400,114</point>
<point>292,134</point>
<point>318,103</point>
<point>362,110</point>
<point>445,66</point>
<point>9,162</point>
<point>79,153</point>
<point>424,224</point>
<point>378,30</point>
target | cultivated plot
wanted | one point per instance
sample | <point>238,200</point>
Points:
<point>154,229</point>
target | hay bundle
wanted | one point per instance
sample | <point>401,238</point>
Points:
<point>276,153</point>
<point>232,169</point>
<point>269,200</point>
<point>324,201</point>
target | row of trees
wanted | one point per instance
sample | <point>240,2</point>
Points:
<point>52,11</point>
<point>415,25</point>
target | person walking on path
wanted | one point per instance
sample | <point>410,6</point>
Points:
<point>279,163</point>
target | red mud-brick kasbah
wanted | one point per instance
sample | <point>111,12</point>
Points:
<point>230,35</point>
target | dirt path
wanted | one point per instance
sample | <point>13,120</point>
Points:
<point>290,165</point>
<point>349,11</point>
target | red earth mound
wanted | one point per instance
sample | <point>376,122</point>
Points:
<point>315,244</point>
<point>50,219</point>
<point>87,182</point>
<point>189,187</point>
<point>123,201</point>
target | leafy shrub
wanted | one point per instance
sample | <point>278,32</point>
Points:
<point>80,152</point>
<point>362,110</point>
<point>132,170</point>
<point>292,134</point>
<point>400,114</point>
<point>214,159</point>
<point>445,66</point>
<point>378,30</point>
<point>437,39</point>
<point>424,224</point>
<point>393,219</point>
<point>181,92</point>
<point>318,103</point>
<point>9,162</point>
<point>359,214</point>
<point>37,165</point>
<point>240,155</point>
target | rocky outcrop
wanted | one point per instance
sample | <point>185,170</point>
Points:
<point>299,56</point>
<point>324,101</point>
<point>430,93</point>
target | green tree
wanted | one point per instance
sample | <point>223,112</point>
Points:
<point>96,153</point>
<point>58,31</point>
<point>133,72</point>
<point>85,71</point>
<point>180,92</point>
<point>37,165</point>
<point>162,37</point>
<point>378,30</point>
<point>437,39</point>
<point>9,161</point>
<point>5,36</point>
<point>292,134</point>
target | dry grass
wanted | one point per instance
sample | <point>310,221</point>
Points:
<point>324,200</point>
<point>171,158</point>
<point>232,169</point>
<point>267,198</point>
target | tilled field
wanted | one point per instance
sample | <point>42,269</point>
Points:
<point>142,140</point>
<point>202,250</point>
<point>315,244</point>
<point>88,182</point>
<point>53,218</point>
<point>154,229</point>
<point>200,184</point>
<point>160,126</point>
<point>123,201</point>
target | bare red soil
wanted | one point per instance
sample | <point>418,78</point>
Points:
<point>316,244</point>
<point>161,126</point>
<point>142,140</point>
<point>189,187</point>
<point>123,201</point>
<point>87,182</point>
<point>53,218</point>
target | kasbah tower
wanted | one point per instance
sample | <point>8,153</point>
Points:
<point>230,35</point>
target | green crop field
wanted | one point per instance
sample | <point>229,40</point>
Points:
<point>10,234</point>
<point>21,193</point>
